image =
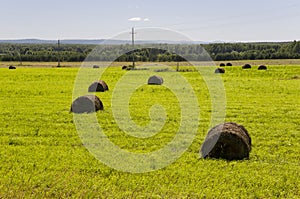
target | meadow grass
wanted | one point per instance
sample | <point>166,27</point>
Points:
<point>42,156</point>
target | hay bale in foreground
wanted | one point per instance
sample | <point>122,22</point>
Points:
<point>220,70</point>
<point>227,141</point>
<point>11,67</point>
<point>86,104</point>
<point>155,80</point>
<point>98,86</point>
<point>222,64</point>
<point>246,66</point>
<point>262,67</point>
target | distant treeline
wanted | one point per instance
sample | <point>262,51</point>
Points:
<point>153,53</point>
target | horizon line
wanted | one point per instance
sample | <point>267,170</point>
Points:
<point>208,41</point>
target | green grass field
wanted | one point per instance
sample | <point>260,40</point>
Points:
<point>42,156</point>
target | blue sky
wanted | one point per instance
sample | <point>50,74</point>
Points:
<point>218,20</point>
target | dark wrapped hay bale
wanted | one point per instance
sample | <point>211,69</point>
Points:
<point>228,64</point>
<point>96,66</point>
<point>86,104</point>
<point>124,67</point>
<point>262,67</point>
<point>228,141</point>
<point>222,64</point>
<point>220,70</point>
<point>98,86</point>
<point>11,67</point>
<point>246,66</point>
<point>155,80</point>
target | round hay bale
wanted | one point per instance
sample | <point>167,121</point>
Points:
<point>228,141</point>
<point>246,66</point>
<point>262,67</point>
<point>86,104</point>
<point>220,70</point>
<point>228,64</point>
<point>98,86</point>
<point>96,66</point>
<point>11,67</point>
<point>124,67</point>
<point>155,80</point>
<point>222,64</point>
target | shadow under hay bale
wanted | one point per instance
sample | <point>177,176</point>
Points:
<point>124,67</point>
<point>86,104</point>
<point>262,67</point>
<point>11,67</point>
<point>228,64</point>
<point>246,66</point>
<point>220,70</point>
<point>155,80</point>
<point>228,141</point>
<point>222,64</point>
<point>98,86</point>
<point>96,66</point>
<point>130,67</point>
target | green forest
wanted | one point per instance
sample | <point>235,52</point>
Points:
<point>155,53</point>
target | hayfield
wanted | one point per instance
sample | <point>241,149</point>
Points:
<point>42,156</point>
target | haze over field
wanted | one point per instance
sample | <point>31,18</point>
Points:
<point>200,20</point>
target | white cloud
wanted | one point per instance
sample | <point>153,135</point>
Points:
<point>135,19</point>
<point>138,19</point>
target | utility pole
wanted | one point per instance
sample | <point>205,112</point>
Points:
<point>58,49</point>
<point>132,38</point>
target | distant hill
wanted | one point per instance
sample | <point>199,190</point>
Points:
<point>95,41</point>
<point>40,41</point>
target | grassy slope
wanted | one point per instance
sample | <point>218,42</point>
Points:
<point>41,154</point>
